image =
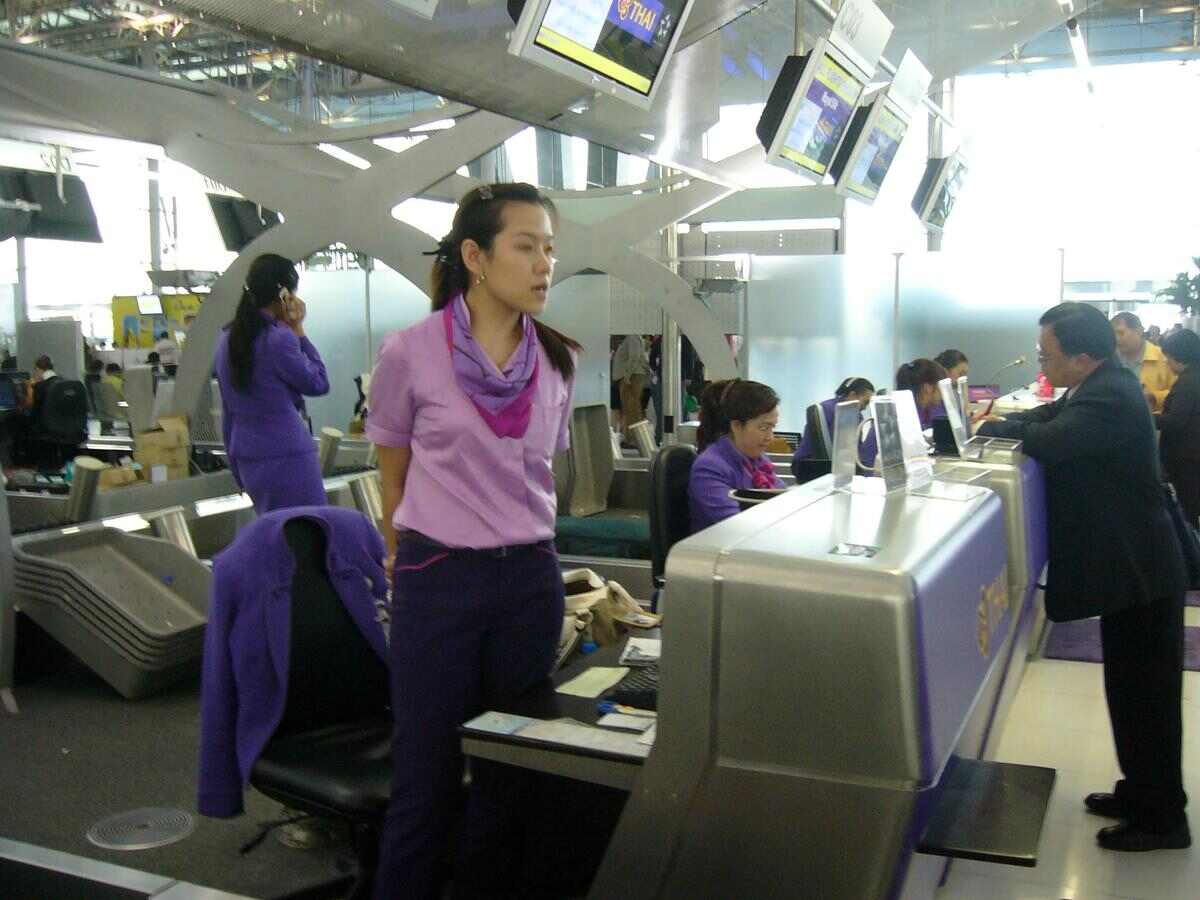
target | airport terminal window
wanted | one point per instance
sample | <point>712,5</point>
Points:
<point>1107,193</point>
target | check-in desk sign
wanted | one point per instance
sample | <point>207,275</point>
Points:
<point>993,606</point>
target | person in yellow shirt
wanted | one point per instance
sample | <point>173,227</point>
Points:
<point>1143,358</point>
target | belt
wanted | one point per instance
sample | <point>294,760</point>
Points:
<point>492,552</point>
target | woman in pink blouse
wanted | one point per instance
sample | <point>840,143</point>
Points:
<point>468,407</point>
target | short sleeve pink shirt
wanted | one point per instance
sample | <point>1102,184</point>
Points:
<point>465,486</point>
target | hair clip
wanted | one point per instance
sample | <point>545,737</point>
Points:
<point>485,192</point>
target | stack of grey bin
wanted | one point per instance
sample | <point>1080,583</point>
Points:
<point>133,609</point>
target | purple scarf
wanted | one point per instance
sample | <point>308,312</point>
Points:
<point>505,401</point>
<point>762,473</point>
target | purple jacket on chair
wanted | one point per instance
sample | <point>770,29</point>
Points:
<point>264,422</point>
<point>248,639</point>
<point>717,471</point>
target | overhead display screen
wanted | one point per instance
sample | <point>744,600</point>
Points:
<point>624,40</point>
<point>875,155</point>
<point>943,203</point>
<point>821,117</point>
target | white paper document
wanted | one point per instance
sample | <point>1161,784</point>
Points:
<point>626,722</point>
<point>594,682</point>
<point>569,733</point>
<point>499,723</point>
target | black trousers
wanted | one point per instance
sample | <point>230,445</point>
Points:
<point>1143,680</point>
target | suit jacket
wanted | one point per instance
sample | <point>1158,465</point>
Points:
<point>1180,419</point>
<point>1111,543</point>
<point>247,641</point>
<point>263,422</point>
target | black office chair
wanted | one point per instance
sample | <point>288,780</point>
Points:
<point>60,425</point>
<point>670,513</point>
<point>816,432</point>
<point>330,756</point>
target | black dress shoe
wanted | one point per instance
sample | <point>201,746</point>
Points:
<point>1131,838</point>
<point>1108,805</point>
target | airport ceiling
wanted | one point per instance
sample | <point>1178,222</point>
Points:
<point>364,61</point>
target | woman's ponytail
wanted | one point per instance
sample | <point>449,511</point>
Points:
<point>713,422</point>
<point>269,274</point>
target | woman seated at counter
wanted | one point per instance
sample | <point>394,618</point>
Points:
<point>921,376</point>
<point>737,422</point>
<point>955,363</point>
<point>858,390</point>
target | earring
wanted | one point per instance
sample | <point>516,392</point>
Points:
<point>482,277</point>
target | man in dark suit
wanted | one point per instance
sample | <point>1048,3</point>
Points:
<point>1113,553</point>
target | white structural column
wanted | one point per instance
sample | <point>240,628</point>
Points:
<point>356,210</point>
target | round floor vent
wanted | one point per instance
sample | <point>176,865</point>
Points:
<point>142,829</point>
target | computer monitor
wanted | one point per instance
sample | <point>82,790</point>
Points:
<point>149,305</point>
<point>809,110</point>
<point>69,219</point>
<point>240,221</point>
<point>872,140</point>
<point>620,47</point>
<point>939,189</point>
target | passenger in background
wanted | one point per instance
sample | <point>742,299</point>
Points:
<point>737,422</point>
<point>1154,335</point>
<point>468,408</point>
<point>921,376</point>
<point>91,383</point>
<point>858,390</point>
<point>955,363</point>
<point>168,353</point>
<point>631,369</point>
<point>1113,554</point>
<point>265,366</point>
<point>115,376</point>
<point>1142,358</point>
<point>1179,421</point>
<point>43,375</point>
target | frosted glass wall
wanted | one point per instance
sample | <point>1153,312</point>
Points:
<point>337,325</point>
<point>815,320</point>
<point>986,305</point>
<point>579,307</point>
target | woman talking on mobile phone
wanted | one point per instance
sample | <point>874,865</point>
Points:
<point>265,366</point>
<point>468,408</point>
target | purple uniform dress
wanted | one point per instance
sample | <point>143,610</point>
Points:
<point>718,470</point>
<point>477,600</point>
<point>270,451</point>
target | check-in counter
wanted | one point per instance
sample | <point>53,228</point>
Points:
<point>1019,483</point>
<point>822,657</point>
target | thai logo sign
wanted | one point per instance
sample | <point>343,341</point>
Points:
<point>637,17</point>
